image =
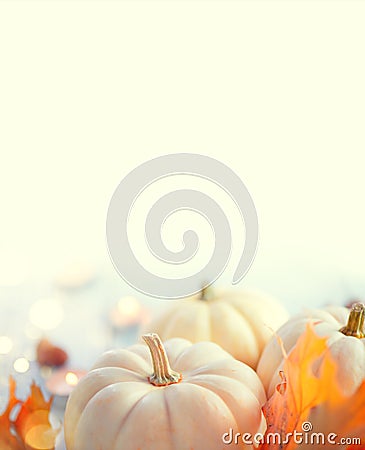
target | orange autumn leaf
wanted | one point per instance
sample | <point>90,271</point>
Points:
<point>8,440</point>
<point>298,392</point>
<point>31,428</point>
<point>304,397</point>
<point>342,415</point>
<point>32,423</point>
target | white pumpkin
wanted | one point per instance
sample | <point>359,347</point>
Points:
<point>241,322</point>
<point>345,342</point>
<point>132,399</point>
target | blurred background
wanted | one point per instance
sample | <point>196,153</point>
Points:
<point>90,90</point>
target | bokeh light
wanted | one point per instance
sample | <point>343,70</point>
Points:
<point>21,365</point>
<point>6,344</point>
<point>71,378</point>
<point>129,306</point>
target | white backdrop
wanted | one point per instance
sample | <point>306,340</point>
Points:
<point>273,89</point>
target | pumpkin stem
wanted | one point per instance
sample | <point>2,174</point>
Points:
<point>162,375</point>
<point>205,293</point>
<point>355,322</point>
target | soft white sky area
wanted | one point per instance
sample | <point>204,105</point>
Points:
<point>275,90</point>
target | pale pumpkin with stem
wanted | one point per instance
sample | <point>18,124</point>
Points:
<point>346,343</point>
<point>241,322</point>
<point>133,399</point>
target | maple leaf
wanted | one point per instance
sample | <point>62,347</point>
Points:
<point>31,429</point>
<point>339,414</point>
<point>304,397</point>
<point>32,423</point>
<point>8,440</point>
